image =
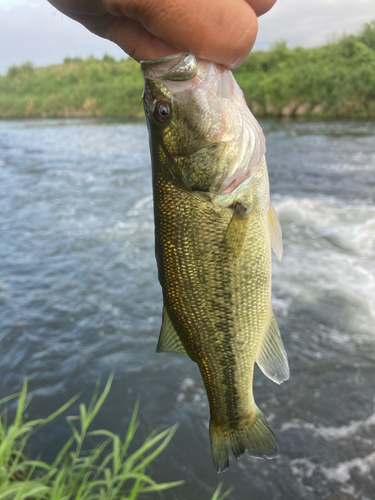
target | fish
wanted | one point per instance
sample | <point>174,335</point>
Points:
<point>214,229</point>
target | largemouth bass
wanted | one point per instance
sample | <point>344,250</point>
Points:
<point>214,228</point>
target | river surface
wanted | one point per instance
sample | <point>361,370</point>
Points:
<point>79,297</point>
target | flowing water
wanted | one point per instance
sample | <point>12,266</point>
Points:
<point>79,297</point>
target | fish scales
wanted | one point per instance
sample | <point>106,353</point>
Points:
<point>213,248</point>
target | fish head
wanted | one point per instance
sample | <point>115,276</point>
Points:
<point>198,117</point>
<point>174,116</point>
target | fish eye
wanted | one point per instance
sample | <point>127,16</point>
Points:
<point>162,111</point>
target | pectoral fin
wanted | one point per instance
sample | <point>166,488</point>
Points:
<point>272,358</point>
<point>275,232</point>
<point>169,341</point>
<point>236,233</point>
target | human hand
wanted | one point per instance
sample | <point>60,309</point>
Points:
<point>222,31</point>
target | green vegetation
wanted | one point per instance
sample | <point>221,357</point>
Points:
<point>107,472</point>
<point>334,80</point>
<point>75,88</point>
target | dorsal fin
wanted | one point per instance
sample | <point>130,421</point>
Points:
<point>272,359</point>
<point>169,341</point>
<point>275,232</point>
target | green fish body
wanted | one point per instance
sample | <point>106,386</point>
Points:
<point>214,228</point>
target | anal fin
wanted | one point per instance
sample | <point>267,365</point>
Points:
<point>272,359</point>
<point>169,341</point>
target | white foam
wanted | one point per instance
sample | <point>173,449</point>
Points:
<point>341,473</point>
<point>328,247</point>
<point>330,433</point>
<point>305,464</point>
<point>139,207</point>
<point>305,468</point>
<point>190,392</point>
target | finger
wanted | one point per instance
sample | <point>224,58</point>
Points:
<point>136,41</point>
<point>224,33</point>
<point>260,7</point>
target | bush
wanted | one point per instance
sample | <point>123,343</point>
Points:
<point>109,59</point>
<point>367,35</point>
<point>23,70</point>
<point>68,60</point>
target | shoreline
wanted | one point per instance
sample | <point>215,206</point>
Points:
<point>333,81</point>
<point>141,119</point>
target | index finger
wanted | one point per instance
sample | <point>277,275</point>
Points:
<point>223,31</point>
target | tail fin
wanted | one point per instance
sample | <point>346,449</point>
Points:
<point>257,438</point>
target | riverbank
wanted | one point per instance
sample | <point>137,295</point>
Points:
<point>336,80</point>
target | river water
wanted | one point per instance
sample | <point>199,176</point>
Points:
<point>79,297</point>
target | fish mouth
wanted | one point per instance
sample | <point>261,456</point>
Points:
<point>177,67</point>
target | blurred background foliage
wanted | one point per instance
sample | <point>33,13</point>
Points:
<point>334,80</point>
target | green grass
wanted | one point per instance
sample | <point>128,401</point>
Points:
<point>109,471</point>
<point>333,81</point>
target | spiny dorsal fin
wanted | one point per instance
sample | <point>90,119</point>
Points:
<point>275,232</point>
<point>169,341</point>
<point>272,359</point>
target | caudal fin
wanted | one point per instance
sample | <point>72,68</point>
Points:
<point>257,439</point>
